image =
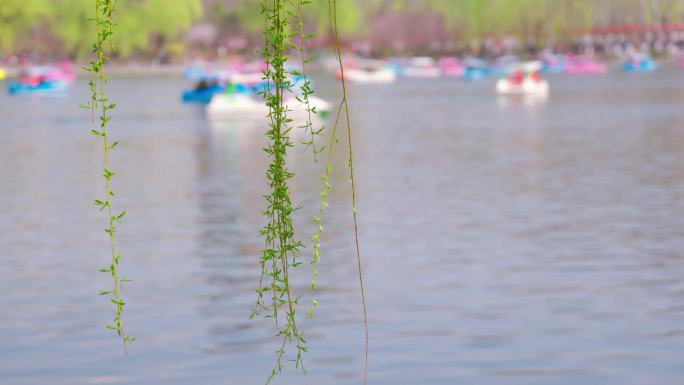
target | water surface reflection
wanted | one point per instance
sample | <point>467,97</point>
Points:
<point>505,242</point>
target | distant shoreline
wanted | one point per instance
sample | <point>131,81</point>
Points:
<point>137,69</point>
<point>134,69</point>
<point>121,69</point>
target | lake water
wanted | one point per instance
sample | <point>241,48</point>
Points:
<point>505,241</point>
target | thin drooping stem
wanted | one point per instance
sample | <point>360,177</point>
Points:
<point>338,52</point>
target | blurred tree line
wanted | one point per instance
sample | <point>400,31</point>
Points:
<point>46,26</point>
<point>416,25</point>
<point>158,28</point>
<point>477,18</point>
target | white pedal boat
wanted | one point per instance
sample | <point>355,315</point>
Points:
<point>244,106</point>
<point>370,75</point>
<point>523,79</point>
<point>246,78</point>
<point>422,67</point>
<point>526,87</point>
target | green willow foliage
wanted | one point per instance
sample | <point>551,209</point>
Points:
<point>98,101</point>
<point>275,295</point>
<point>282,248</point>
<point>306,91</point>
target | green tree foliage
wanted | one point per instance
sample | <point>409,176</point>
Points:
<point>17,19</point>
<point>349,17</point>
<point>530,18</point>
<point>154,26</point>
<point>140,25</point>
<point>471,20</point>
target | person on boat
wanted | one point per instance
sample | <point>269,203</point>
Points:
<point>517,77</point>
<point>535,77</point>
<point>202,85</point>
<point>30,79</point>
<point>205,84</point>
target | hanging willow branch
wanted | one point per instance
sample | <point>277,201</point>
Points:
<point>305,88</point>
<point>282,247</point>
<point>104,28</point>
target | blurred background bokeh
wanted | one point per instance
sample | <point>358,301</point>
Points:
<point>169,31</point>
<point>520,193</point>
